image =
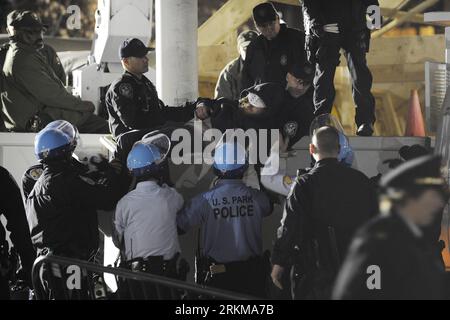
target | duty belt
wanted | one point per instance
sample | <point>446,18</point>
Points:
<point>218,268</point>
<point>152,263</point>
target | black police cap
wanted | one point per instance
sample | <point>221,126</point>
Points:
<point>25,20</point>
<point>133,47</point>
<point>421,172</point>
<point>304,71</point>
<point>264,12</point>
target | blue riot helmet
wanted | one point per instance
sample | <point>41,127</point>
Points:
<point>345,152</point>
<point>148,155</point>
<point>53,144</point>
<point>67,128</point>
<point>230,160</point>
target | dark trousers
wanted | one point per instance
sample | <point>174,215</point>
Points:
<point>246,277</point>
<point>327,59</point>
<point>4,288</point>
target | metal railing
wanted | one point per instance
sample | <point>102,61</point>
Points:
<point>56,277</point>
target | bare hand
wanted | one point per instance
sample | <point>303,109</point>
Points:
<point>276,275</point>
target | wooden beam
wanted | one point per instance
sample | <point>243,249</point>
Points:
<point>396,73</point>
<point>398,21</point>
<point>227,19</point>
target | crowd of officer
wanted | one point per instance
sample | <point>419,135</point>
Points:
<point>331,232</point>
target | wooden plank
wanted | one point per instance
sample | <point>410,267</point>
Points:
<point>405,50</point>
<point>414,72</point>
<point>227,19</point>
<point>398,73</point>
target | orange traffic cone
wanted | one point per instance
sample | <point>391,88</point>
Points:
<point>414,123</point>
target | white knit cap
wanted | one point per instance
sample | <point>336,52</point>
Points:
<point>256,101</point>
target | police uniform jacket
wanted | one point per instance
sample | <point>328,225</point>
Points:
<point>350,15</point>
<point>231,216</point>
<point>11,207</point>
<point>388,248</point>
<point>133,103</point>
<point>268,61</point>
<point>296,116</point>
<point>31,86</point>
<point>61,209</point>
<point>329,195</point>
<point>229,84</point>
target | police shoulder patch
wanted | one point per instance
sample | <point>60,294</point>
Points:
<point>284,60</point>
<point>287,181</point>
<point>35,173</point>
<point>290,128</point>
<point>126,90</point>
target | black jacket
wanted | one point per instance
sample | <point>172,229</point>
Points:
<point>62,209</point>
<point>296,116</point>
<point>11,206</point>
<point>349,14</point>
<point>269,61</point>
<point>409,269</point>
<point>329,195</point>
<point>133,103</point>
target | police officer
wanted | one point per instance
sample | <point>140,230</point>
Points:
<point>61,208</point>
<point>229,83</point>
<point>270,54</point>
<point>93,167</point>
<point>330,26</point>
<point>391,250</point>
<point>11,207</point>
<point>47,51</point>
<point>132,101</point>
<point>231,215</point>
<point>32,94</point>
<point>144,222</point>
<point>323,210</point>
<point>298,107</point>
<point>280,182</point>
